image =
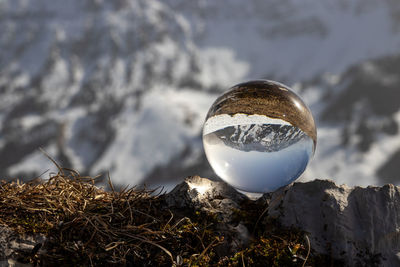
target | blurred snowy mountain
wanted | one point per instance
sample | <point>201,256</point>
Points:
<point>124,86</point>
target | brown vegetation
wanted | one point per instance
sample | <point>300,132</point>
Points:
<point>86,225</point>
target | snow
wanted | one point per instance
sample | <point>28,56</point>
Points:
<point>140,53</point>
<point>329,37</point>
<point>37,162</point>
<point>347,165</point>
<point>220,67</point>
<point>135,152</point>
<point>221,121</point>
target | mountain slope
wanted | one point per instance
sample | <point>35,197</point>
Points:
<point>124,86</point>
<point>291,40</point>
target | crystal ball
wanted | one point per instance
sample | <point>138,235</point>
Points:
<point>259,136</point>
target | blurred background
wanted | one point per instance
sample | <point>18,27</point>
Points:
<point>124,86</point>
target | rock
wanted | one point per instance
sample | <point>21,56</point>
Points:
<point>6,235</point>
<point>15,247</point>
<point>202,193</point>
<point>359,225</point>
<point>213,197</point>
<point>13,263</point>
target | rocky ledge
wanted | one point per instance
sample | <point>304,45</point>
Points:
<point>350,226</point>
<point>360,226</point>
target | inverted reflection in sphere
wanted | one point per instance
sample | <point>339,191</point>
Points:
<point>259,136</point>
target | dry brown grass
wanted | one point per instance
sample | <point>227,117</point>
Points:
<point>86,225</point>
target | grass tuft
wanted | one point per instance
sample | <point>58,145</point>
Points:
<point>86,225</point>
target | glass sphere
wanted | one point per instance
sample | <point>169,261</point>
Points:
<point>259,136</point>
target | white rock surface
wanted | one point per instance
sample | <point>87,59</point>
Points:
<point>359,225</point>
<point>202,193</point>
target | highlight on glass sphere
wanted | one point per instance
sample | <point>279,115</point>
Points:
<point>259,136</point>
